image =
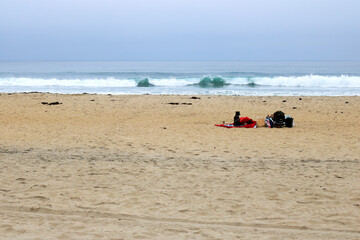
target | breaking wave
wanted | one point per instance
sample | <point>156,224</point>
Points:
<point>309,81</point>
<point>343,81</point>
<point>209,82</point>
<point>144,83</point>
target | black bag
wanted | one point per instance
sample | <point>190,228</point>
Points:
<point>279,118</point>
<point>289,122</point>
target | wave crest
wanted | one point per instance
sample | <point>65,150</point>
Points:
<point>208,82</point>
<point>145,83</point>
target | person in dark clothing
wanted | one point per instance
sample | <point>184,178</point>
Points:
<point>237,119</point>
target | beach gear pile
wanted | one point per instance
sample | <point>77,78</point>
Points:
<point>279,120</point>
<point>276,120</point>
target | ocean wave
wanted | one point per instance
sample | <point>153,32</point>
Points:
<point>102,82</point>
<point>212,82</point>
<point>145,83</point>
<point>300,81</point>
<point>343,81</point>
<point>309,81</point>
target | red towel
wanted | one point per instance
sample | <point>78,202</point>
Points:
<point>244,121</point>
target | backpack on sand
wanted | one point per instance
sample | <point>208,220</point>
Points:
<point>279,118</point>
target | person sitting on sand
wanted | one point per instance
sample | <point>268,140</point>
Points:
<point>237,119</point>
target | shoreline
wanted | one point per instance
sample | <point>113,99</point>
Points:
<point>135,166</point>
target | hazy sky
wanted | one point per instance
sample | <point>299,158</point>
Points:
<point>180,30</point>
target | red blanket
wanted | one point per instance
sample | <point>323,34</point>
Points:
<point>245,122</point>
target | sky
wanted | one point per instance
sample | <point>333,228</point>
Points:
<point>180,30</point>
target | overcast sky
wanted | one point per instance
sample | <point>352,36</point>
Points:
<point>245,30</point>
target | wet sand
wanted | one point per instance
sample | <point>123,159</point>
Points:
<point>137,167</point>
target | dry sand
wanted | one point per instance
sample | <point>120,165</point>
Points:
<point>136,167</point>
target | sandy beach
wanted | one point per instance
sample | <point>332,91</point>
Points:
<point>137,167</point>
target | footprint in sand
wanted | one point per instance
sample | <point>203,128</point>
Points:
<point>42,198</point>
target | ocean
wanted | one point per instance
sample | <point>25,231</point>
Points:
<point>183,78</point>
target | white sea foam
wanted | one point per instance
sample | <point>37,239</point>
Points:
<point>309,81</point>
<point>173,82</point>
<point>342,81</point>
<point>306,85</point>
<point>32,82</point>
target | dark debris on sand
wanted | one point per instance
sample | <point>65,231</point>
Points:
<point>51,103</point>
<point>177,103</point>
